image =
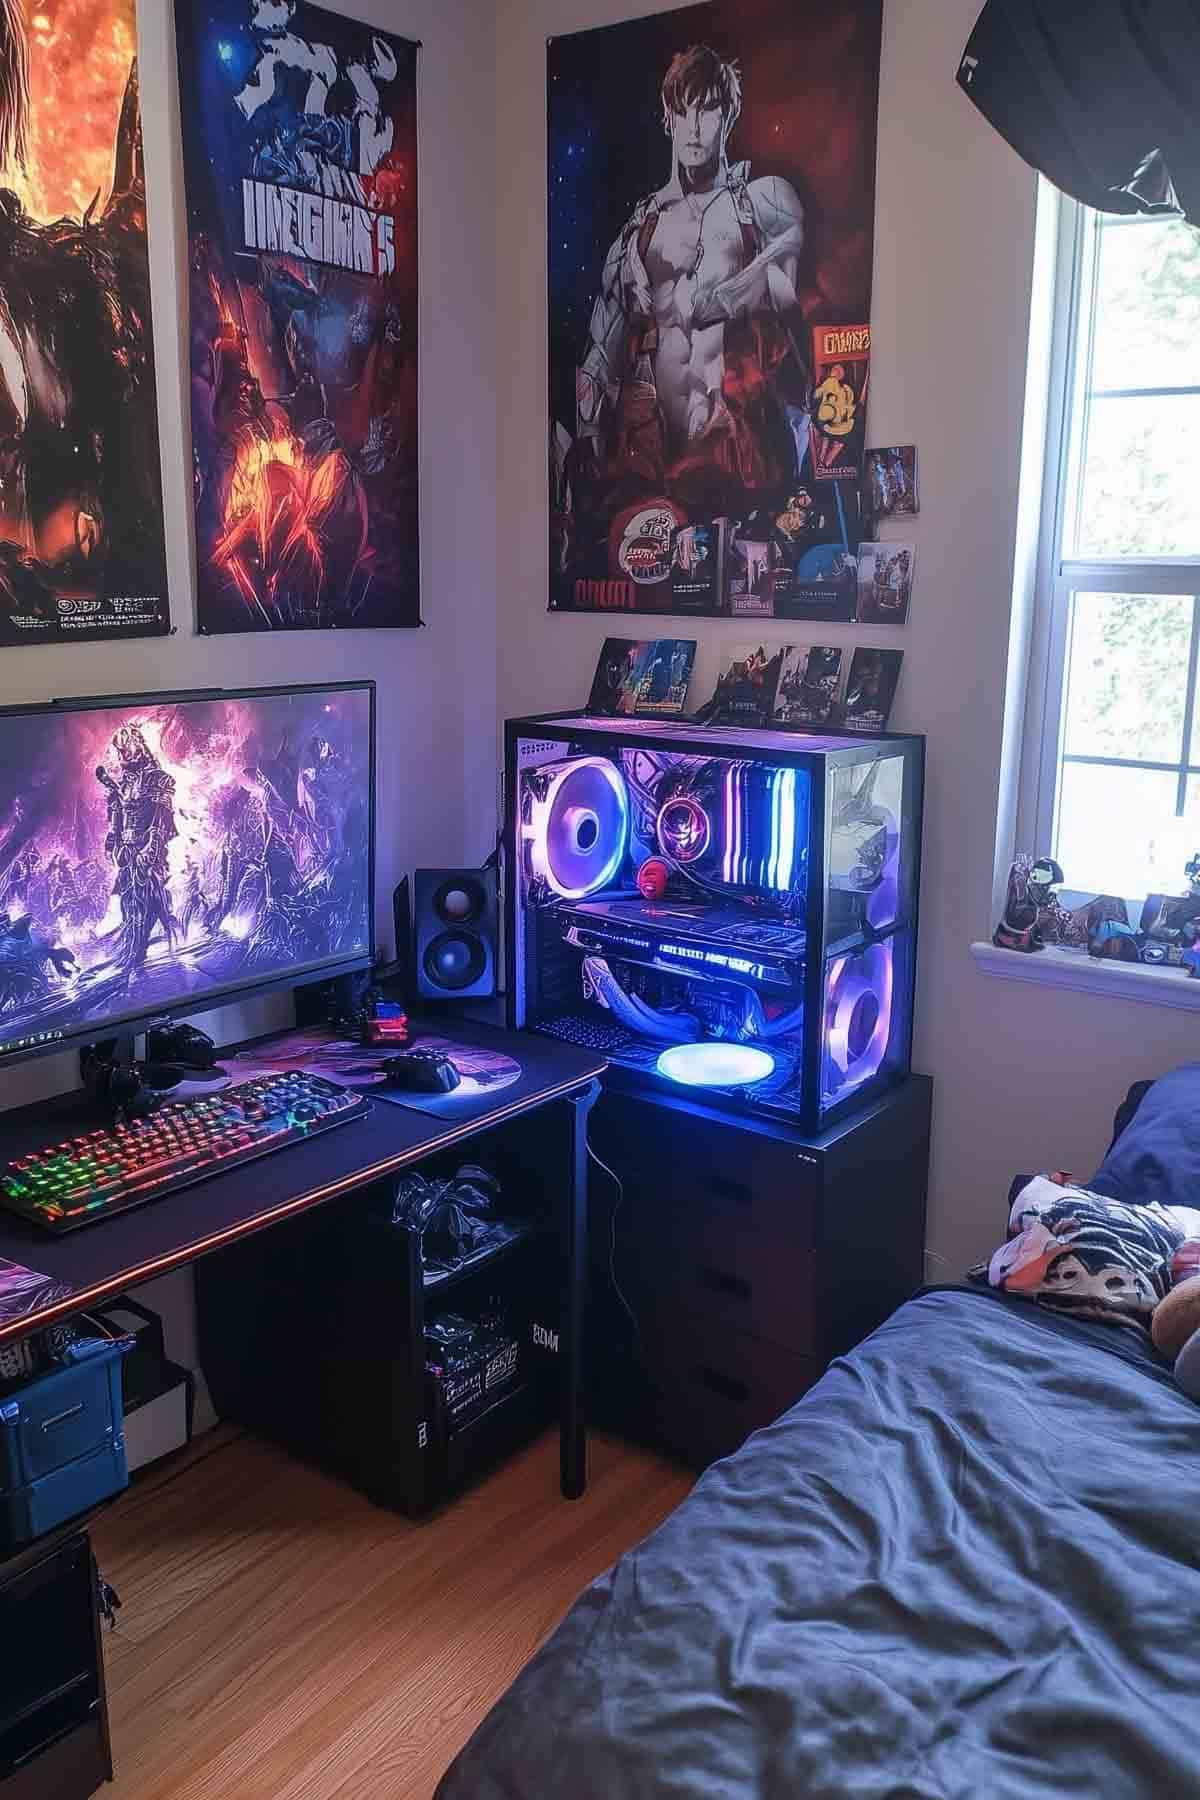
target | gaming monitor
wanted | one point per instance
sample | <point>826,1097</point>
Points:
<point>167,853</point>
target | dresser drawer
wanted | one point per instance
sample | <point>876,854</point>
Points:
<point>694,1165</point>
<point>710,1387</point>
<point>712,1273</point>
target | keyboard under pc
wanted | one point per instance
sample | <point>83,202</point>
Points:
<point>85,1179</point>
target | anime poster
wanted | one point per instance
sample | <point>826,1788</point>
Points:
<point>177,848</point>
<point>82,553</point>
<point>300,162</point>
<point>711,223</point>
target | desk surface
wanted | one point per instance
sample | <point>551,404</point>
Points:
<point>104,1259</point>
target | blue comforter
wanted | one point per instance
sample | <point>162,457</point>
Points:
<point>967,1563</point>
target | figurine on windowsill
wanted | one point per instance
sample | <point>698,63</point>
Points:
<point>1170,923</point>
<point>1031,909</point>
<point>1110,936</point>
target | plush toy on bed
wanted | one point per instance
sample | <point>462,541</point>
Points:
<point>1082,1253</point>
<point>1090,1255</point>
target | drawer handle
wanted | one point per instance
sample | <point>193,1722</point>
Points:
<point>723,1283</point>
<point>61,1418</point>
<point>724,1189</point>
<point>725,1385</point>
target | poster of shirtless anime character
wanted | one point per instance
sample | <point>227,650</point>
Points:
<point>300,161</point>
<point>711,221</point>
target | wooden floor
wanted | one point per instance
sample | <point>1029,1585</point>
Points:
<point>283,1639</point>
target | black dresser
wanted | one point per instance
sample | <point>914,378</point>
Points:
<point>749,1256</point>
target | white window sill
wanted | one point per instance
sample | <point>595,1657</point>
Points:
<point>1055,967</point>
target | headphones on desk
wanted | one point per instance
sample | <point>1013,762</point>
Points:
<point>124,1091</point>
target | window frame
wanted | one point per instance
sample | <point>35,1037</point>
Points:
<point>1059,576</point>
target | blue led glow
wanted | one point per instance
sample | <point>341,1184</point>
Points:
<point>715,1065</point>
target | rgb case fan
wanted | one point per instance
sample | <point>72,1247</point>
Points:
<point>858,1017</point>
<point>577,825</point>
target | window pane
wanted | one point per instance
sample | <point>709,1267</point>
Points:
<point>1140,493</point>
<point>1117,831</point>
<point>1127,662</point>
<point>1147,306</point>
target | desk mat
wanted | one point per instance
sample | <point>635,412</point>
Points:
<point>24,1292</point>
<point>482,1073</point>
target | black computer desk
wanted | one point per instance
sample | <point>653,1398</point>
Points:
<point>112,1256</point>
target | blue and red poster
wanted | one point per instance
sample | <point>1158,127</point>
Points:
<point>300,161</point>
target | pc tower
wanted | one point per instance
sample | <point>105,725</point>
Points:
<point>726,913</point>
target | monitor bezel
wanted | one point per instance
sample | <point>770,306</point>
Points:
<point>131,1024</point>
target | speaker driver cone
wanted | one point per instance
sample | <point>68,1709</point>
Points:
<point>454,960</point>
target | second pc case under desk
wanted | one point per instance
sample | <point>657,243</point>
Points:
<point>730,890</point>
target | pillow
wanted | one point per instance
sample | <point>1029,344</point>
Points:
<point>1157,1155</point>
<point>1082,1253</point>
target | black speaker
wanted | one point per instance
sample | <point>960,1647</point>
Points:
<point>456,920</point>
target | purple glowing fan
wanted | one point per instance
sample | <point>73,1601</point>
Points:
<point>858,1016</point>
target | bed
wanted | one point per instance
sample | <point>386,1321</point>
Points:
<point>967,1563</point>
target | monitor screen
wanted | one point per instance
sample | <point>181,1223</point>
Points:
<point>165,853</point>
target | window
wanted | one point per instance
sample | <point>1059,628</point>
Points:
<point>1116,788</point>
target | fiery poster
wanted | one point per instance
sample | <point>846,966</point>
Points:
<point>711,229</point>
<point>82,553</point>
<point>300,162</point>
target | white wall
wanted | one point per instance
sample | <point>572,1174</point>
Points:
<point>1025,1078</point>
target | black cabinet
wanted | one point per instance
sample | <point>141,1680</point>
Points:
<point>54,1741</point>
<point>740,1257</point>
<point>313,1334</point>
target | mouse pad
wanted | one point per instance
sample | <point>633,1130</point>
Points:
<point>482,1073</point>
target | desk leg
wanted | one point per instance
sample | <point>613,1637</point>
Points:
<point>573,1426</point>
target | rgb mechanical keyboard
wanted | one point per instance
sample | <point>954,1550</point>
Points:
<point>85,1179</point>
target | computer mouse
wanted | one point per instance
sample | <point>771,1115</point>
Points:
<point>421,1072</point>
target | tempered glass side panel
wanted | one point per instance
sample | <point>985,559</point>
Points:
<point>866,833</point>
<point>872,838</point>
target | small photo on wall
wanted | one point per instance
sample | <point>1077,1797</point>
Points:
<point>885,578</point>
<point>642,675</point>
<point>807,691</point>
<point>745,690</point>
<point>871,688</point>
<point>891,484</point>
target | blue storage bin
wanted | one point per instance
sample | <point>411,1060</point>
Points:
<point>62,1444</point>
